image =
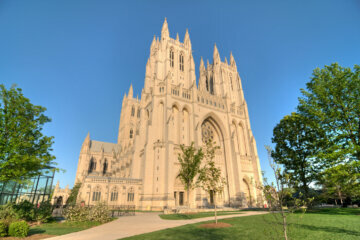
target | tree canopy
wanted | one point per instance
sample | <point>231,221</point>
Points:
<point>332,101</point>
<point>24,150</point>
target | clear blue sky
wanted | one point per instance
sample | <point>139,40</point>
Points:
<point>78,58</point>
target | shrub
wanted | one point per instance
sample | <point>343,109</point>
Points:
<point>43,212</point>
<point>19,229</point>
<point>7,211</point>
<point>24,210</point>
<point>3,228</point>
<point>97,213</point>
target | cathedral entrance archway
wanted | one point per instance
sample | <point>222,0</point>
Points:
<point>210,130</point>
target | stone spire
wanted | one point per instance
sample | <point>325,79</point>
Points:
<point>86,143</point>
<point>187,42</point>
<point>202,66</point>
<point>232,60</point>
<point>57,185</point>
<point>177,37</point>
<point>153,45</point>
<point>165,30</point>
<point>216,55</point>
<point>130,94</point>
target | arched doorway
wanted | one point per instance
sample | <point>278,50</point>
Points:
<point>210,130</point>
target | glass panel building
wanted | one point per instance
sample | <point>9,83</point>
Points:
<point>35,190</point>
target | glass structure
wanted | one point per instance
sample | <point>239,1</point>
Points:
<point>35,190</point>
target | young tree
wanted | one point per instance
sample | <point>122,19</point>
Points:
<point>295,148</point>
<point>210,176</point>
<point>190,161</point>
<point>332,100</point>
<point>24,150</point>
<point>276,195</point>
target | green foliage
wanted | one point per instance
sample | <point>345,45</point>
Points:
<point>3,228</point>
<point>332,101</point>
<point>24,210</point>
<point>7,211</point>
<point>97,213</point>
<point>341,181</point>
<point>190,161</point>
<point>43,212</point>
<point>24,150</point>
<point>19,229</point>
<point>73,195</point>
<point>295,148</point>
<point>210,176</point>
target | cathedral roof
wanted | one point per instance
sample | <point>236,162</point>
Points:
<point>96,146</point>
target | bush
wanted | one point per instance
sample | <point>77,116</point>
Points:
<point>3,228</point>
<point>7,211</point>
<point>97,213</point>
<point>24,210</point>
<point>43,212</point>
<point>19,229</point>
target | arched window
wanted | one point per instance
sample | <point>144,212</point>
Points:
<point>231,82</point>
<point>131,195</point>
<point>211,85</point>
<point>138,113</point>
<point>133,111</point>
<point>105,167</point>
<point>96,194</point>
<point>181,61</point>
<point>171,58</point>
<point>131,133</point>
<point>207,84</point>
<point>92,165</point>
<point>114,195</point>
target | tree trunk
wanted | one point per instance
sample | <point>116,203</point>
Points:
<point>284,223</point>
<point>215,209</point>
<point>188,197</point>
<point>340,196</point>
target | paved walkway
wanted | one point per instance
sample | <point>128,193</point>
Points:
<point>135,225</point>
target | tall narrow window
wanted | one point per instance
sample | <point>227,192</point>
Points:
<point>231,83</point>
<point>92,166</point>
<point>114,195</point>
<point>105,167</point>
<point>138,113</point>
<point>96,196</point>
<point>130,197</point>
<point>207,84</point>
<point>171,58</point>
<point>133,111</point>
<point>181,61</point>
<point>131,133</point>
<point>211,85</point>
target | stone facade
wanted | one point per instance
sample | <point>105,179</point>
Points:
<point>60,196</point>
<point>141,168</point>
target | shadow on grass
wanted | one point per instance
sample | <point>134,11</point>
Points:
<point>335,211</point>
<point>33,231</point>
<point>328,229</point>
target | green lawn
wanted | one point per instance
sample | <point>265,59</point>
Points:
<point>61,228</point>
<point>325,224</point>
<point>183,216</point>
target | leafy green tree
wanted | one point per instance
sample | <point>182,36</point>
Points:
<point>190,161</point>
<point>24,150</point>
<point>210,176</point>
<point>332,101</point>
<point>342,181</point>
<point>295,148</point>
<point>73,195</point>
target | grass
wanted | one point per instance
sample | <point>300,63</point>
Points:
<point>61,228</point>
<point>322,224</point>
<point>185,216</point>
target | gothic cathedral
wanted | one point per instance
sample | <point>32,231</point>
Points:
<point>141,168</point>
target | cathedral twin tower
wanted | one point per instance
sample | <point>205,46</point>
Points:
<point>141,168</point>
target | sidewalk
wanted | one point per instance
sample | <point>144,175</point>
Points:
<point>135,225</point>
